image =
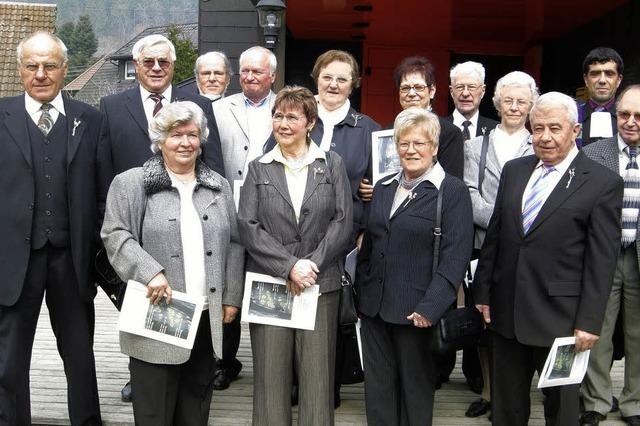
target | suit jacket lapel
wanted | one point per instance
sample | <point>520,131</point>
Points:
<point>317,172</point>
<point>275,171</point>
<point>239,112</point>
<point>520,184</point>
<point>566,186</point>
<point>418,193</point>
<point>134,105</point>
<point>75,129</point>
<point>15,119</point>
<point>388,194</point>
<point>493,165</point>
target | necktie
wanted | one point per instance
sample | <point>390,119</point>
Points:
<point>45,123</point>
<point>465,132</point>
<point>535,199</point>
<point>157,98</point>
<point>631,198</point>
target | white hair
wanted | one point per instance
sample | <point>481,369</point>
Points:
<point>176,114</point>
<point>152,40</point>
<point>213,57</point>
<point>554,100</point>
<point>38,34</point>
<point>258,52</point>
<point>514,78</point>
<point>470,68</point>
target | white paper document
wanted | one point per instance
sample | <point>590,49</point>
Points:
<point>564,366</point>
<point>600,125</point>
<point>267,300</point>
<point>175,323</point>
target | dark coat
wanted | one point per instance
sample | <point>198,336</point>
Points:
<point>557,278</point>
<point>394,276</point>
<point>17,189</point>
<point>125,138</point>
<point>584,116</point>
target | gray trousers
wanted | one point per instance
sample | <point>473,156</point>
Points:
<point>596,387</point>
<point>275,349</point>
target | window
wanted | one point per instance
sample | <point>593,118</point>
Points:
<point>129,70</point>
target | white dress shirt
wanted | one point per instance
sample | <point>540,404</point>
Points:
<point>458,119</point>
<point>149,104</point>
<point>33,107</point>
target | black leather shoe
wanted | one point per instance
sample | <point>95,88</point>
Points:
<point>591,418</point>
<point>614,405</point>
<point>632,420</point>
<point>475,384</point>
<point>221,381</point>
<point>478,407</point>
<point>233,370</point>
<point>125,393</point>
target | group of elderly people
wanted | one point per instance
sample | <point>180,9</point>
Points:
<point>172,225</point>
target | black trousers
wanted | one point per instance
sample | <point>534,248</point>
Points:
<point>230,345</point>
<point>50,274</point>
<point>512,368</point>
<point>175,394</point>
<point>399,373</point>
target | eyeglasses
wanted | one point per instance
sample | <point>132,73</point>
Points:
<point>291,118</point>
<point>626,115</point>
<point>417,145</point>
<point>149,63</point>
<point>340,81</point>
<point>468,87</point>
<point>46,68</point>
<point>520,103</point>
<point>418,88</point>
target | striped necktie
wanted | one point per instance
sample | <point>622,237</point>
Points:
<point>535,199</point>
<point>157,98</point>
<point>631,198</point>
<point>45,122</point>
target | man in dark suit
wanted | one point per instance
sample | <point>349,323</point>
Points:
<point>49,216</point>
<point>125,143</point>
<point>602,73</point>
<point>547,261</point>
<point>619,154</point>
<point>467,90</point>
<point>125,140</point>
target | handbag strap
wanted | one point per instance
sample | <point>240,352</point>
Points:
<point>437,233</point>
<point>343,274</point>
<point>483,161</point>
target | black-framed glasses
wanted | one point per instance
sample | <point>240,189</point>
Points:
<point>418,88</point>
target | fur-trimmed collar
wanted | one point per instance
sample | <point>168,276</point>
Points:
<point>156,177</point>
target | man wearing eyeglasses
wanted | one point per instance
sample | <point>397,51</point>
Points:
<point>619,154</point>
<point>602,73</point>
<point>125,140</point>
<point>244,122</point>
<point>49,214</point>
<point>467,90</point>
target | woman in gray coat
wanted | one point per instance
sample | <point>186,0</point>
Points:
<point>171,225</point>
<point>484,158</point>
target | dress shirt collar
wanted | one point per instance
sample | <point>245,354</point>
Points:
<point>32,106</point>
<point>264,102</point>
<point>435,175</point>
<point>314,153</point>
<point>608,107</point>
<point>564,164</point>
<point>144,93</point>
<point>458,119</point>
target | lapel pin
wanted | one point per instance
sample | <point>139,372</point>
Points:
<point>356,117</point>
<point>317,170</point>
<point>410,197</point>
<point>572,173</point>
<point>76,123</point>
<point>484,130</point>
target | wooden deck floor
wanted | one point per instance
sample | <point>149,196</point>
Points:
<point>230,407</point>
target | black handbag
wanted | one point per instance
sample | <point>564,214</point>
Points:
<point>347,313</point>
<point>458,328</point>
<point>106,277</point>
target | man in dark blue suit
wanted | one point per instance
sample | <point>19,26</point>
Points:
<point>48,223</point>
<point>125,138</point>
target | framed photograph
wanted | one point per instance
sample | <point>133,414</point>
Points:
<point>175,323</point>
<point>564,366</point>
<point>267,300</point>
<point>384,155</point>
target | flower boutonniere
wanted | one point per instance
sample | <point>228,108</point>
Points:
<point>317,171</point>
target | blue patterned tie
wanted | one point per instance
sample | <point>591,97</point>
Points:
<point>535,198</point>
<point>631,198</point>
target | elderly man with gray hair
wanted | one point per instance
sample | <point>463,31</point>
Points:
<point>467,90</point>
<point>547,261</point>
<point>213,74</point>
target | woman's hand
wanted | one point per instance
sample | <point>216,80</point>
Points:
<point>419,320</point>
<point>158,288</point>
<point>303,275</point>
<point>229,313</point>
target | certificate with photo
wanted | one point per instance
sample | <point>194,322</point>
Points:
<point>267,300</point>
<point>564,366</point>
<point>384,155</point>
<point>175,323</point>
